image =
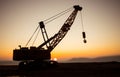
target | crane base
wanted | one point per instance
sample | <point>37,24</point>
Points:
<point>37,65</point>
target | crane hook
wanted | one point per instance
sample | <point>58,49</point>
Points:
<point>84,36</point>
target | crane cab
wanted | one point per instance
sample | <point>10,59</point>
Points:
<point>32,53</point>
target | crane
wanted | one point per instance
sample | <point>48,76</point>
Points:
<point>41,55</point>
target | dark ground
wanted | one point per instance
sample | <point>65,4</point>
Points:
<point>109,69</point>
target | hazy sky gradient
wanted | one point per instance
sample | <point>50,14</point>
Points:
<point>19,19</point>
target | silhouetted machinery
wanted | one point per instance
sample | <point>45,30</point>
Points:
<point>41,55</point>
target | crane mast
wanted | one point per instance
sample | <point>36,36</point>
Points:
<point>40,53</point>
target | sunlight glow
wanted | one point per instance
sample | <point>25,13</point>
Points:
<point>100,20</point>
<point>55,59</point>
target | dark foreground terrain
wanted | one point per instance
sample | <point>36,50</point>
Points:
<point>109,69</point>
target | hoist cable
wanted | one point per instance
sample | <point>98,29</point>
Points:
<point>82,21</point>
<point>36,36</point>
<point>57,16</point>
<point>32,36</point>
<point>83,33</point>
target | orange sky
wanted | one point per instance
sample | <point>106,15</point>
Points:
<point>19,19</point>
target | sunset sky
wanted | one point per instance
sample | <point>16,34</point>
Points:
<point>101,19</point>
